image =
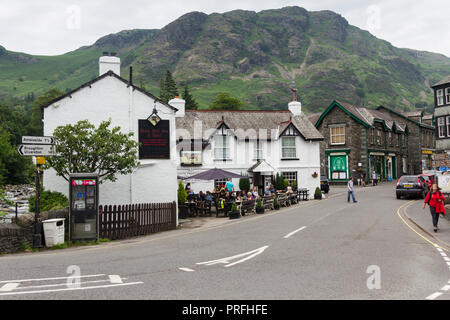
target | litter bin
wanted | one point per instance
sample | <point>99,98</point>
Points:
<point>54,231</point>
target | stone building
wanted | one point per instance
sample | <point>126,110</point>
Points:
<point>422,142</point>
<point>360,140</point>
<point>442,115</point>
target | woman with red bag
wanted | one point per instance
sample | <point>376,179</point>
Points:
<point>435,200</point>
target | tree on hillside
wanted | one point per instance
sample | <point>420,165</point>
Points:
<point>191,104</point>
<point>14,169</point>
<point>167,87</point>
<point>36,127</point>
<point>84,148</point>
<point>224,101</point>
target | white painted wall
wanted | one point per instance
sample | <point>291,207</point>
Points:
<point>242,154</point>
<point>153,180</point>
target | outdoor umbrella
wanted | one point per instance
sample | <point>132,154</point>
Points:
<point>214,174</point>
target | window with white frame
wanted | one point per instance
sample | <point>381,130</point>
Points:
<point>221,147</point>
<point>379,137</point>
<point>447,123</point>
<point>441,127</point>
<point>447,95</point>
<point>288,150</point>
<point>372,130</point>
<point>290,176</point>
<point>390,138</point>
<point>220,183</point>
<point>337,134</point>
<point>398,140</point>
<point>440,97</point>
<point>258,154</point>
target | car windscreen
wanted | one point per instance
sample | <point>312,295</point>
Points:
<point>409,179</point>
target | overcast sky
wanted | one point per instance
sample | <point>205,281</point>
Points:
<point>50,27</point>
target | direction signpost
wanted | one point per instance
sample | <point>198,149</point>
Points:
<point>38,147</point>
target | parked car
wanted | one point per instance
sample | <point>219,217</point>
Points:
<point>411,186</point>
<point>429,179</point>
<point>324,186</point>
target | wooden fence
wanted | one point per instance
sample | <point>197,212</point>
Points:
<point>125,221</point>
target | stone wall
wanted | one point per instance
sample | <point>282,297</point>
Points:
<point>15,236</point>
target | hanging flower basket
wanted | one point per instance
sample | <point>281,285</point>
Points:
<point>315,175</point>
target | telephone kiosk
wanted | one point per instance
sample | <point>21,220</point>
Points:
<point>83,209</point>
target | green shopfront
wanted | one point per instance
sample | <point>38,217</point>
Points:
<point>338,165</point>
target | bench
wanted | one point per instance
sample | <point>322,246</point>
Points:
<point>293,198</point>
<point>303,194</point>
<point>282,199</point>
<point>204,208</point>
<point>268,202</point>
<point>248,206</point>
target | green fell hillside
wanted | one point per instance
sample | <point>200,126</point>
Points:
<point>255,56</point>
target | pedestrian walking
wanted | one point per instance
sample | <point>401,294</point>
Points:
<point>435,199</point>
<point>350,191</point>
<point>363,178</point>
<point>374,178</point>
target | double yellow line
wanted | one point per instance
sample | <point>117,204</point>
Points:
<point>404,206</point>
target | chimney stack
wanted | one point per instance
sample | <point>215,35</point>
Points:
<point>295,107</point>
<point>109,62</point>
<point>180,105</point>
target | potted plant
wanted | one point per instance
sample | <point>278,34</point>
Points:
<point>285,184</point>
<point>315,175</point>
<point>182,196</point>
<point>234,214</point>
<point>276,205</point>
<point>318,194</point>
<point>259,206</point>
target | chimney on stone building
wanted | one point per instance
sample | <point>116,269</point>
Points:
<point>295,107</point>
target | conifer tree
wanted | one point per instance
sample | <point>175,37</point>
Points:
<point>191,104</point>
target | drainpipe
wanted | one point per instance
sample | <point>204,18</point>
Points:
<point>367,156</point>
<point>131,128</point>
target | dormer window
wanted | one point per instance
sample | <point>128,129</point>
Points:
<point>440,97</point>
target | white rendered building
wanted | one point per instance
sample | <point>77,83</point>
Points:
<point>111,96</point>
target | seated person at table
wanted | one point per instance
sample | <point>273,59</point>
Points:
<point>289,190</point>
<point>201,196</point>
<point>208,196</point>
<point>250,196</point>
<point>255,192</point>
<point>272,189</point>
<point>243,196</point>
<point>267,191</point>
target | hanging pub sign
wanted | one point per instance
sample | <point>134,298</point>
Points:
<point>154,139</point>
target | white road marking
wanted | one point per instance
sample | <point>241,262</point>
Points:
<point>9,286</point>
<point>58,278</point>
<point>250,255</point>
<point>61,284</point>
<point>186,269</point>
<point>115,279</point>
<point>446,258</point>
<point>70,289</point>
<point>439,249</point>
<point>294,232</point>
<point>445,288</point>
<point>434,295</point>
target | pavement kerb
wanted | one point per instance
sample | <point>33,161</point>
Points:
<point>443,244</point>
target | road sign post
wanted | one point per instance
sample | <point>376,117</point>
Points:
<point>38,147</point>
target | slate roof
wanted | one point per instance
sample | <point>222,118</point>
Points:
<point>110,74</point>
<point>247,120</point>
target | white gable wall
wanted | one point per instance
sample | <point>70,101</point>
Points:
<point>154,180</point>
